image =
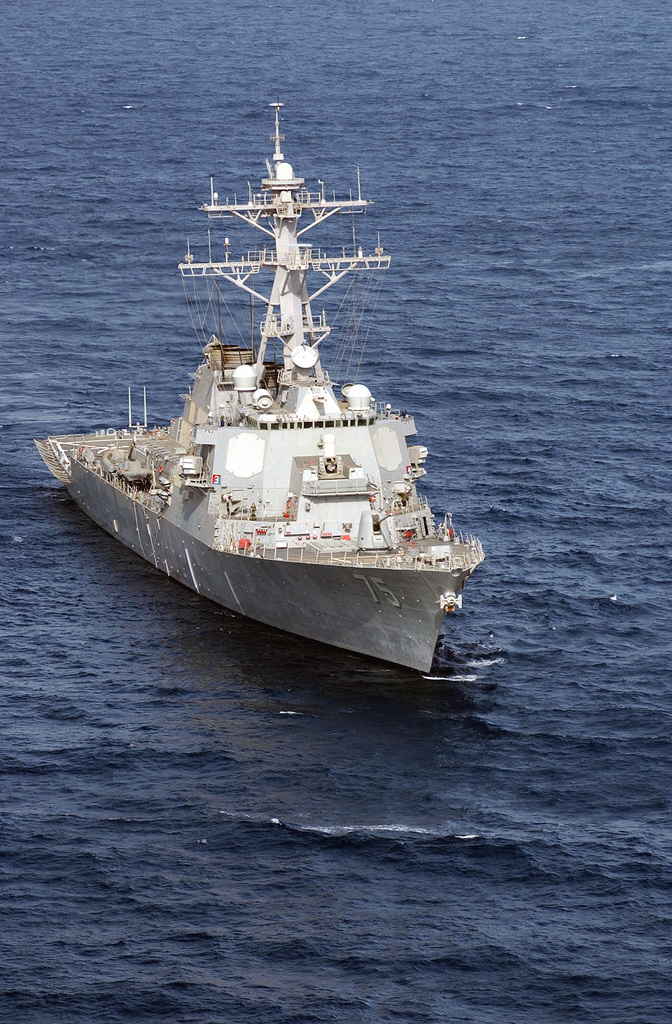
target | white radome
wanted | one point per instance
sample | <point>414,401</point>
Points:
<point>284,171</point>
<point>358,397</point>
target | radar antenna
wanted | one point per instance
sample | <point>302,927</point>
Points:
<point>277,138</point>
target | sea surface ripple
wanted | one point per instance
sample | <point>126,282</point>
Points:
<point>203,820</point>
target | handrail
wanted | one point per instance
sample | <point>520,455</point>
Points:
<point>246,539</point>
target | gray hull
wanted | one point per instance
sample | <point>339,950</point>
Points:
<point>391,614</point>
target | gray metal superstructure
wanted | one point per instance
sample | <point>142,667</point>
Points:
<point>269,494</point>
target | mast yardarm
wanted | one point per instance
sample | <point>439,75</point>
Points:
<point>301,273</point>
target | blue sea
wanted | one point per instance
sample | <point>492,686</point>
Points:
<point>202,820</point>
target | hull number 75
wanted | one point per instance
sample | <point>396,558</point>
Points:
<point>377,588</point>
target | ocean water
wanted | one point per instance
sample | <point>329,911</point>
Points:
<point>203,820</point>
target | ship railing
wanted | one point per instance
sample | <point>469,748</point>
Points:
<point>363,559</point>
<point>149,501</point>
<point>419,504</point>
<point>384,411</point>
<point>229,416</point>
<point>303,197</point>
<point>198,483</point>
<point>249,538</point>
<point>145,498</point>
<point>302,258</point>
<point>56,459</point>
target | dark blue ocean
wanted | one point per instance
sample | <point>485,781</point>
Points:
<point>203,821</point>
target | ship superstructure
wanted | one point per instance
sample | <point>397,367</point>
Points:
<point>276,493</point>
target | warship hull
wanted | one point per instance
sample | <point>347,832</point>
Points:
<point>270,494</point>
<point>387,613</point>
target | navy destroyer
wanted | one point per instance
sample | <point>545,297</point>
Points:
<point>277,493</point>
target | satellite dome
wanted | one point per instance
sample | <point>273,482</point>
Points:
<point>284,171</point>
<point>358,398</point>
<point>245,378</point>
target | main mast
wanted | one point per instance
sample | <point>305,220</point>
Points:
<point>305,388</point>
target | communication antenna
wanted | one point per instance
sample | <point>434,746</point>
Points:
<point>219,311</point>
<point>277,138</point>
<point>144,403</point>
<point>252,322</point>
<point>130,419</point>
